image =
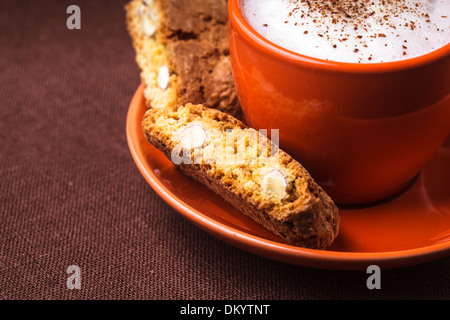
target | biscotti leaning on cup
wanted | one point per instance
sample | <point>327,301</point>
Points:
<point>182,51</point>
<point>247,170</point>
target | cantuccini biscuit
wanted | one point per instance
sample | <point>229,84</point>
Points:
<point>183,53</point>
<point>247,170</point>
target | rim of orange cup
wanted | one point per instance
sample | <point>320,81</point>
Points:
<point>252,37</point>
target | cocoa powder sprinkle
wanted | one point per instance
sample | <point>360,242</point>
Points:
<point>369,28</point>
<point>356,13</point>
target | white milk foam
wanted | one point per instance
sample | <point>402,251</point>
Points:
<point>360,31</point>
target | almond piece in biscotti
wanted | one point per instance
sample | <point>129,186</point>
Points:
<point>193,136</point>
<point>274,184</point>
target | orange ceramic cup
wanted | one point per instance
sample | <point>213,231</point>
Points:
<point>363,131</point>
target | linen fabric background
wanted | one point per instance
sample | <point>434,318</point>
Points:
<point>70,193</point>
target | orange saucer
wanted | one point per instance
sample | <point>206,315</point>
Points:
<point>409,229</point>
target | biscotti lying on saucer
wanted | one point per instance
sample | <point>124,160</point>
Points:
<point>247,170</point>
<point>182,51</point>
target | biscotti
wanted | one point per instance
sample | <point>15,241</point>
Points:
<point>182,51</point>
<point>247,170</point>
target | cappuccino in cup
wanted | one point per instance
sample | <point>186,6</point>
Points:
<point>355,31</point>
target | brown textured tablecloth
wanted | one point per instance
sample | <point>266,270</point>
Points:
<point>70,193</point>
